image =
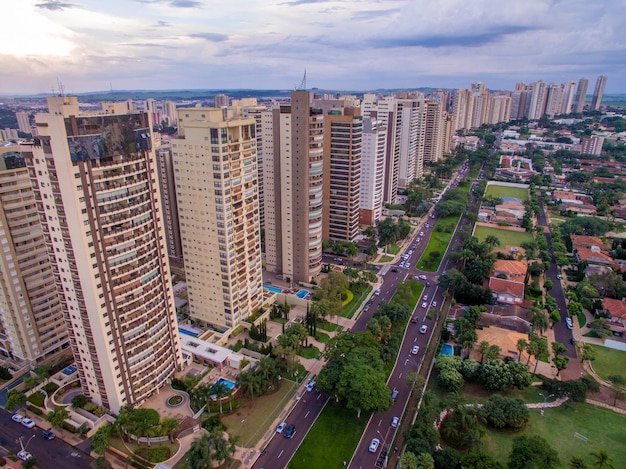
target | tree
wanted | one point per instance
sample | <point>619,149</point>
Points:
<point>602,459</point>
<point>617,383</point>
<point>57,417</point>
<point>363,386</point>
<point>532,452</point>
<point>503,412</point>
<point>100,463</point>
<point>492,241</point>
<point>15,399</point>
<point>548,284</point>
<point>479,460</point>
<point>220,390</point>
<point>408,460</point>
<point>101,440</point>
<point>577,463</point>
<point>587,353</point>
<point>521,345</point>
<point>209,448</point>
<point>483,348</point>
<point>555,318</point>
<point>560,363</point>
<point>495,375</point>
<point>79,401</point>
<point>425,461</point>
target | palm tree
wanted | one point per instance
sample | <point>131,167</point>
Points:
<point>219,390</point>
<point>492,241</point>
<point>483,348</point>
<point>602,459</point>
<point>577,463</point>
<point>521,346</point>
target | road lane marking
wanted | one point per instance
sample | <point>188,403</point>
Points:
<point>307,414</point>
<point>280,454</point>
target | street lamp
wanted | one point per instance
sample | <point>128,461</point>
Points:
<point>545,398</point>
<point>384,441</point>
<point>24,446</point>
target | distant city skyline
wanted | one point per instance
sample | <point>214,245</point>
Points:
<point>343,44</point>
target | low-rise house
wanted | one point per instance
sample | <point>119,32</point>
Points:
<point>595,256</point>
<point>510,270</point>
<point>511,209</point>
<point>583,241</point>
<point>616,311</point>
<point>506,291</point>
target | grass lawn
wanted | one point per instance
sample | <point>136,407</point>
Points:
<point>495,190</point>
<point>252,418</point>
<point>309,352</point>
<point>408,293</point>
<point>605,430</point>
<point>506,237</point>
<point>322,337</point>
<point>582,320</point>
<point>327,325</point>
<point>438,242</point>
<point>609,362</point>
<point>386,259</point>
<point>393,249</point>
<point>359,296</point>
<point>331,440</point>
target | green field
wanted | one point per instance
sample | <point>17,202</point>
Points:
<point>603,428</point>
<point>494,190</point>
<point>506,237</point>
<point>609,362</point>
<point>331,440</point>
<point>438,242</point>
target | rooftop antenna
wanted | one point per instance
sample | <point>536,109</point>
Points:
<point>60,87</point>
<point>302,83</point>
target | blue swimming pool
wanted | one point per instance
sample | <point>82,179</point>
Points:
<point>447,349</point>
<point>228,383</point>
<point>302,293</point>
<point>272,289</point>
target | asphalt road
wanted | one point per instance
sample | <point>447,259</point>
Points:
<point>561,332</point>
<point>50,454</point>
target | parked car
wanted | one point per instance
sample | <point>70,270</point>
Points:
<point>421,233</point>
<point>17,417</point>
<point>28,423</point>
<point>423,328</point>
<point>433,304</point>
<point>422,277</point>
<point>310,386</point>
<point>415,350</point>
<point>425,298</point>
<point>570,324</point>
<point>290,432</point>
<point>377,292</point>
<point>24,455</point>
<point>374,445</point>
<point>395,421</point>
<point>414,320</point>
<point>559,276</point>
<point>48,435</point>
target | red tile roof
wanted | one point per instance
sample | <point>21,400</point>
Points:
<point>499,285</point>
<point>616,308</point>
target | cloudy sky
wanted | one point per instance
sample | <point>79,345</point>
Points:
<point>90,45</point>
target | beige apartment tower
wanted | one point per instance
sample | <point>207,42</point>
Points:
<point>32,326</point>
<point>293,146</point>
<point>215,167</point>
<point>97,192</point>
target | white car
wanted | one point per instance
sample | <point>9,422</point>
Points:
<point>24,455</point>
<point>28,423</point>
<point>422,277</point>
<point>421,233</point>
<point>423,328</point>
<point>374,445</point>
<point>425,298</point>
<point>281,426</point>
<point>394,422</point>
<point>424,305</point>
<point>377,292</point>
<point>17,417</point>
<point>415,350</point>
<point>569,323</point>
<point>434,304</point>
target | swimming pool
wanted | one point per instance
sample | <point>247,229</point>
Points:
<point>226,382</point>
<point>447,349</point>
<point>272,289</point>
<point>302,293</point>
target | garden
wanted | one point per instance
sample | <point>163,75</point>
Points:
<point>497,191</point>
<point>506,237</point>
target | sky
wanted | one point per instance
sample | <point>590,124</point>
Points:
<point>96,45</point>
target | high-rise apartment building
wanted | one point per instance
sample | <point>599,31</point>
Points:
<point>463,108</point>
<point>169,108</point>
<point>434,133</point>
<point>554,100</point>
<point>152,109</point>
<point>567,96</point>
<point>343,141</point>
<point>221,100</point>
<point>165,164</point>
<point>499,108</point>
<point>97,192</point>
<point>537,100</point>
<point>372,171</point>
<point>216,177</point>
<point>32,325</point>
<point>580,96</point>
<point>293,147</point>
<point>598,92</point>
<point>23,122</point>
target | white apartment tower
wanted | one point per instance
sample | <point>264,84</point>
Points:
<point>98,197</point>
<point>23,122</point>
<point>410,134</point>
<point>598,92</point>
<point>567,96</point>
<point>32,325</point>
<point>293,147</point>
<point>216,178</point>
<point>581,95</point>
<point>372,171</point>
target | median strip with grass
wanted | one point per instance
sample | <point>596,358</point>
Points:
<point>438,243</point>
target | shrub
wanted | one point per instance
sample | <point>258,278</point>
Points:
<point>34,410</point>
<point>37,399</point>
<point>504,412</point>
<point>155,454</point>
<point>95,409</point>
<point>79,401</point>
<point>50,388</point>
<point>69,427</point>
<point>179,385</point>
<point>4,373</point>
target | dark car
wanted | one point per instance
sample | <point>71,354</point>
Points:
<point>393,269</point>
<point>290,432</point>
<point>48,435</point>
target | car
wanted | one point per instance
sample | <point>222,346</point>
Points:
<point>415,350</point>
<point>48,435</point>
<point>377,292</point>
<point>290,432</point>
<point>24,455</point>
<point>410,251</point>
<point>422,277</point>
<point>281,426</point>
<point>395,421</point>
<point>423,328</point>
<point>374,445</point>
<point>414,320</point>
<point>338,259</point>
<point>17,417</point>
<point>366,308</point>
<point>28,423</point>
<point>421,233</point>
<point>394,269</point>
<point>311,385</point>
<point>559,277</point>
<point>428,284</point>
<point>588,324</point>
<point>425,298</point>
<point>434,304</point>
<point>394,394</point>
<point>570,324</point>
<point>572,341</point>
<point>424,305</point>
